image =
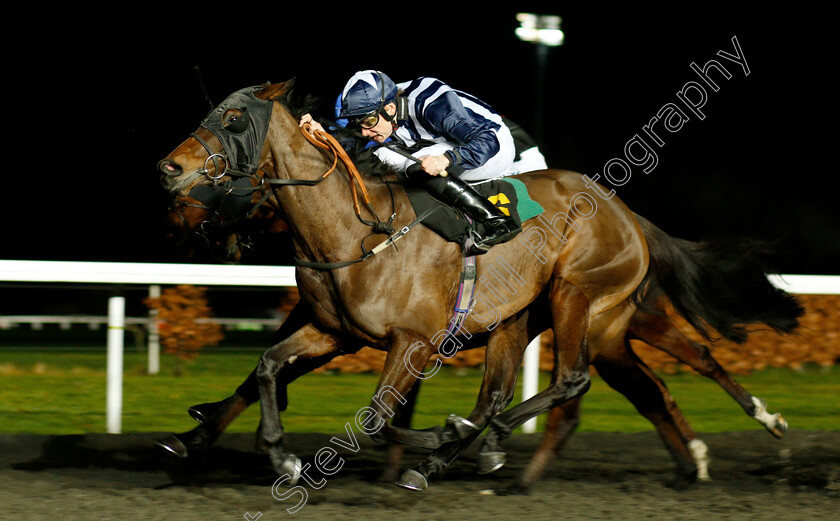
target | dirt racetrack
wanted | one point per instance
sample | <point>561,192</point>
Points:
<point>598,476</point>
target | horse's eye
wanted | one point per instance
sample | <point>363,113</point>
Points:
<point>235,120</point>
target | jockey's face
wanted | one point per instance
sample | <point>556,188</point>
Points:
<point>383,128</point>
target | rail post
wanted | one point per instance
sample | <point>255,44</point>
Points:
<point>153,364</point>
<point>116,336</point>
<point>530,379</point>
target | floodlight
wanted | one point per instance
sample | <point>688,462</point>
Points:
<point>540,29</point>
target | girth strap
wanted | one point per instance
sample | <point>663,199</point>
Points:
<point>466,289</point>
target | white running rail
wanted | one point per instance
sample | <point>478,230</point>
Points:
<point>156,274</point>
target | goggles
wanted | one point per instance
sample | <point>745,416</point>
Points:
<point>367,121</point>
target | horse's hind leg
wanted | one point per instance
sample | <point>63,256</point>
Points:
<point>627,374</point>
<point>570,376</point>
<point>563,419</point>
<point>561,423</point>
<point>696,446</point>
<point>659,332</point>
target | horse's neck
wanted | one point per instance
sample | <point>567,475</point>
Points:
<point>321,218</point>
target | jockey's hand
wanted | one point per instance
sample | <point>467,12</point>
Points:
<point>435,165</point>
<point>313,125</point>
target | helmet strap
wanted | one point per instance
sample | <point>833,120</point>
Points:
<point>401,113</point>
<point>391,119</point>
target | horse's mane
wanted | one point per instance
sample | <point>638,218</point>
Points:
<point>298,103</point>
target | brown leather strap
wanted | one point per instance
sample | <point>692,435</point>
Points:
<point>325,141</point>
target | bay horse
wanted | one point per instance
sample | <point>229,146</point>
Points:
<point>649,324</point>
<point>580,271</point>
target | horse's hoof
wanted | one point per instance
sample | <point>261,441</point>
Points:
<point>490,461</point>
<point>202,412</point>
<point>774,423</point>
<point>462,426</point>
<point>413,480</point>
<point>290,466</point>
<point>173,445</point>
<point>778,427</point>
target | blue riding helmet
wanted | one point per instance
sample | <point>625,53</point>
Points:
<point>365,93</point>
<point>341,122</point>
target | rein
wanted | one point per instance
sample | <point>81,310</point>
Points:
<point>323,141</point>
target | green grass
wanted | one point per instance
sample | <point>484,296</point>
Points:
<point>46,392</point>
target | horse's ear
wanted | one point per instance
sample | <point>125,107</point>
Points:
<point>272,92</point>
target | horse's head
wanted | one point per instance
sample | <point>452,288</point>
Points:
<point>194,230</point>
<point>228,171</point>
<point>224,156</point>
<point>215,177</point>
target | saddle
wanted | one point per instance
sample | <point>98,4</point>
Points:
<point>509,194</point>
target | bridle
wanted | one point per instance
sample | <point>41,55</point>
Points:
<point>230,185</point>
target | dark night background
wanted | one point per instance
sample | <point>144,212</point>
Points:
<point>93,106</point>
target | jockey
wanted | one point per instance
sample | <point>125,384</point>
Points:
<point>448,131</point>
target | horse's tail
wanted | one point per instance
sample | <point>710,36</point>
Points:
<point>721,284</point>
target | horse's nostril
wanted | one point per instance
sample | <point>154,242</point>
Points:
<point>167,166</point>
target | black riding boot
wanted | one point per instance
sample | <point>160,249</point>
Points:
<point>495,227</point>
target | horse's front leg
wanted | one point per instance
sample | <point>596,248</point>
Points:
<point>401,420</point>
<point>404,367</point>
<point>214,417</point>
<point>503,357</point>
<point>299,353</point>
